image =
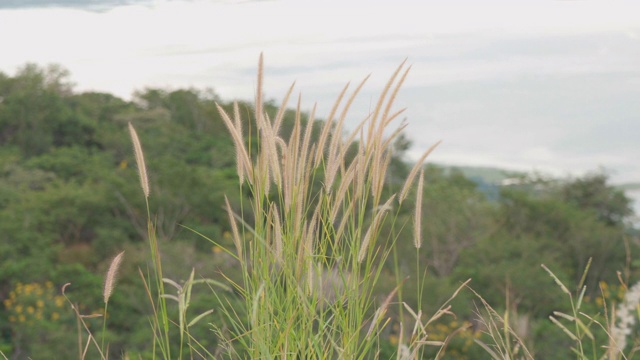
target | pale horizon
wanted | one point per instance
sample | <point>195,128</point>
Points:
<point>548,86</point>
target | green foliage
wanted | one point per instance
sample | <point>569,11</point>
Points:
<point>70,200</point>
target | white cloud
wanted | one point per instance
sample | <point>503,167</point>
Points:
<point>502,83</point>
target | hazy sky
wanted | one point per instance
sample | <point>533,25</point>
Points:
<point>552,86</point>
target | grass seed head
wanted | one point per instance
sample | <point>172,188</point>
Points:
<point>112,274</point>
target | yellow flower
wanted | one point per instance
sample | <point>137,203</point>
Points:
<point>22,318</point>
<point>18,309</point>
<point>468,343</point>
<point>30,309</point>
<point>28,288</point>
<point>12,318</point>
<point>55,316</point>
<point>599,301</point>
<point>393,339</point>
<point>40,303</point>
<point>59,301</point>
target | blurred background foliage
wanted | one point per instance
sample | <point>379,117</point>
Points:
<point>70,200</point>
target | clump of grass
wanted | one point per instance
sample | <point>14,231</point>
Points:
<point>623,319</point>
<point>312,254</point>
<point>615,326</point>
<point>506,344</point>
<point>599,336</point>
<point>301,230</point>
<point>160,320</point>
<point>154,285</point>
<point>109,285</point>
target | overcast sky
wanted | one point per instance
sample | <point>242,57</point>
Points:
<point>552,86</point>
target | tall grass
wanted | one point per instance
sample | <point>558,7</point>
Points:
<point>310,246</point>
<point>313,254</point>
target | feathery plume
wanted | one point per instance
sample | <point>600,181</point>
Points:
<point>373,228</point>
<point>327,127</point>
<point>373,126</point>
<point>283,107</point>
<point>258,114</point>
<point>392,97</point>
<point>414,172</point>
<point>382,310</point>
<point>277,227</point>
<point>417,220</point>
<point>624,320</point>
<point>238,128</point>
<point>234,228</point>
<point>112,274</point>
<point>335,158</point>
<point>142,168</point>
<point>241,152</point>
<point>345,183</point>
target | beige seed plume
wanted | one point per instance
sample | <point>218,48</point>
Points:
<point>373,228</point>
<point>142,168</point>
<point>234,228</point>
<point>414,172</point>
<point>417,220</point>
<point>112,273</point>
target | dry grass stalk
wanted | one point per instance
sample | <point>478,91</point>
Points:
<point>305,247</point>
<point>375,131</point>
<point>327,128</point>
<point>283,107</point>
<point>277,228</point>
<point>345,184</point>
<point>263,180</point>
<point>417,220</point>
<point>238,128</point>
<point>112,274</point>
<point>258,110</point>
<point>392,98</point>
<point>414,172</point>
<point>269,147</point>
<point>335,158</point>
<point>234,228</point>
<point>290,159</point>
<point>302,191</point>
<point>361,176</point>
<point>373,228</point>
<point>395,134</point>
<point>242,157</point>
<point>304,149</point>
<point>142,168</point>
<point>382,310</point>
<point>345,220</point>
<point>380,175</point>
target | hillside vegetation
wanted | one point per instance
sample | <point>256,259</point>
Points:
<point>70,201</point>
